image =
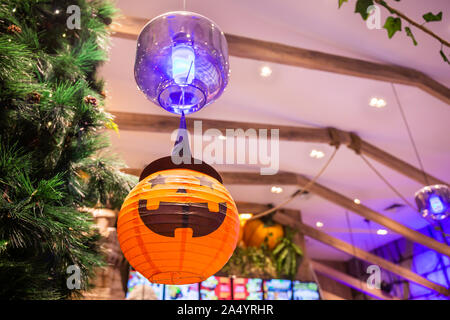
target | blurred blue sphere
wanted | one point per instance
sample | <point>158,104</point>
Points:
<point>434,201</point>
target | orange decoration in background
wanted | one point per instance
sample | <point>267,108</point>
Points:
<point>256,233</point>
<point>178,226</point>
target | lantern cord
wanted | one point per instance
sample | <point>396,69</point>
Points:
<point>410,134</point>
<point>387,183</point>
<point>298,192</point>
<point>409,204</point>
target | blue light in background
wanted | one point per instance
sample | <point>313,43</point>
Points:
<point>436,204</point>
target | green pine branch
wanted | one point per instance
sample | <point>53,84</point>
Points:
<point>53,156</point>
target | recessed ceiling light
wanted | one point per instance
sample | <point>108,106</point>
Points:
<point>221,137</point>
<point>377,102</point>
<point>357,201</point>
<point>276,189</point>
<point>382,232</point>
<point>319,224</point>
<point>316,154</point>
<point>265,71</point>
<point>245,216</point>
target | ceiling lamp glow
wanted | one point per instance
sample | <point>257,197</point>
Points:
<point>434,201</point>
<point>265,71</point>
<point>181,62</point>
<point>377,102</point>
<point>316,154</point>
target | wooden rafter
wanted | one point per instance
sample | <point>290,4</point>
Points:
<point>359,253</point>
<point>373,215</point>
<point>130,27</point>
<point>166,124</point>
<point>247,178</point>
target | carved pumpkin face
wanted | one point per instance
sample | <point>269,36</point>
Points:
<point>178,226</point>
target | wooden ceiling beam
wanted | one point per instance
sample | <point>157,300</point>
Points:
<point>129,28</point>
<point>167,124</point>
<point>359,253</point>
<point>244,178</point>
<point>350,281</point>
<point>373,215</point>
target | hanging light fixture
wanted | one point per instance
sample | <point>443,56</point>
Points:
<point>179,225</point>
<point>434,201</point>
<point>182,61</point>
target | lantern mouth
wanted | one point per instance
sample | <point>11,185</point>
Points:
<point>176,277</point>
<point>166,163</point>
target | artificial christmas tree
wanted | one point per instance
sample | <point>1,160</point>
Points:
<point>52,158</point>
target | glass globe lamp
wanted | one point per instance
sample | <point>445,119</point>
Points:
<point>434,201</point>
<point>181,61</point>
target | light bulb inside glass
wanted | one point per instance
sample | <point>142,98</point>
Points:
<point>183,64</point>
<point>436,204</point>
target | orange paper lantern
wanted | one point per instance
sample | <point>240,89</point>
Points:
<point>178,225</point>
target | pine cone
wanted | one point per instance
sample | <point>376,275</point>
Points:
<point>34,97</point>
<point>91,100</point>
<point>14,29</point>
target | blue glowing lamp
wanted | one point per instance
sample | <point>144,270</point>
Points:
<point>181,62</point>
<point>434,201</point>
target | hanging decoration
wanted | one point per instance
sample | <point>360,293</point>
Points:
<point>181,62</point>
<point>434,201</point>
<point>179,225</point>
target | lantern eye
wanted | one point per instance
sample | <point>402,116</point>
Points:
<point>159,179</point>
<point>205,182</point>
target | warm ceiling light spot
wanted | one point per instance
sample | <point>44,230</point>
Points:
<point>222,137</point>
<point>377,102</point>
<point>276,189</point>
<point>245,216</point>
<point>382,232</point>
<point>265,72</point>
<point>357,201</point>
<point>319,224</point>
<point>57,11</point>
<point>317,154</point>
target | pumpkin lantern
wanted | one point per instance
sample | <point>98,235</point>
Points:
<point>179,225</point>
<point>256,232</point>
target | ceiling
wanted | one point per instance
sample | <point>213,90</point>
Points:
<point>304,97</point>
